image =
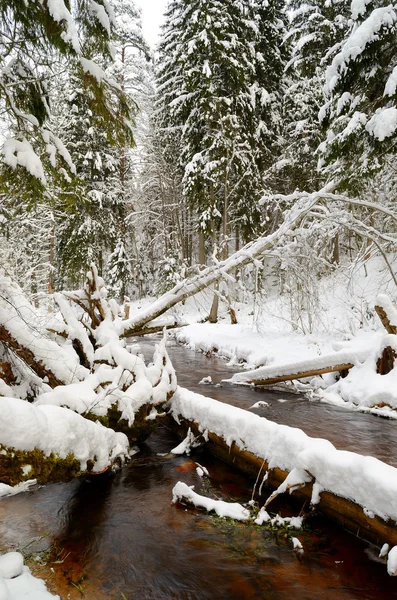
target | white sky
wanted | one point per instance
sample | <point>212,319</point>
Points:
<point>152,16</point>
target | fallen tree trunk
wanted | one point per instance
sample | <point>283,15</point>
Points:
<point>51,444</point>
<point>328,363</point>
<point>281,444</point>
<point>29,358</point>
<point>213,274</point>
<point>301,375</point>
<point>348,514</point>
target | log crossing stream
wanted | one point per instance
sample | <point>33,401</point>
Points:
<point>115,537</point>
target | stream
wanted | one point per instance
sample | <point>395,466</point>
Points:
<point>118,537</point>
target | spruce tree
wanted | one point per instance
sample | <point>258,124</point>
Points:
<point>361,112</point>
<point>206,88</point>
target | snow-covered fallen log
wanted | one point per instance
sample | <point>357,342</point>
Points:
<point>49,443</point>
<point>357,491</point>
<point>122,392</point>
<point>327,363</point>
<point>213,274</point>
<point>79,361</point>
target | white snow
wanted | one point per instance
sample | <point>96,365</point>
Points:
<point>23,323</point>
<point>60,431</point>
<point>360,37</point>
<point>61,14</point>
<point>391,84</point>
<point>384,550</point>
<point>383,123</point>
<point>17,153</point>
<point>186,445</point>
<point>232,510</point>
<point>297,545</point>
<point>8,490</point>
<point>17,582</point>
<point>392,561</point>
<point>320,362</point>
<point>363,386</point>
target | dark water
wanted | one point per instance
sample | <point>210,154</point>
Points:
<point>119,536</point>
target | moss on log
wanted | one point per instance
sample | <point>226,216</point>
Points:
<point>19,465</point>
<point>137,432</point>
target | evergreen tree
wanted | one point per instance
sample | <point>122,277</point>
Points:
<point>38,41</point>
<point>361,114</point>
<point>315,32</point>
<point>207,89</point>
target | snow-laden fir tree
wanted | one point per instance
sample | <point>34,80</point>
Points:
<point>39,41</point>
<point>361,114</point>
<point>316,29</point>
<point>208,90</point>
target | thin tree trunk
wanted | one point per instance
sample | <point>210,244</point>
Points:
<point>201,248</point>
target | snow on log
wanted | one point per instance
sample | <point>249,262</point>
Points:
<point>387,313</point>
<point>21,333</point>
<point>232,510</point>
<point>49,443</point>
<point>328,363</point>
<point>121,392</point>
<point>357,491</point>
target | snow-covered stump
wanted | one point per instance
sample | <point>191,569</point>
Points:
<point>49,444</point>
<point>358,492</point>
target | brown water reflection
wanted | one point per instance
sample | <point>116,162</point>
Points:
<point>120,537</point>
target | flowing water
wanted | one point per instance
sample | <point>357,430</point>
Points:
<point>119,537</point>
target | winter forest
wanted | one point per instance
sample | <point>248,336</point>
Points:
<point>183,228</point>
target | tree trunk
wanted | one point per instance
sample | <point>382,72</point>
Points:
<point>201,248</point>
<point>213,316</point>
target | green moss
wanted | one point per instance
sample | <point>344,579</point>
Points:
<point>44,468</point>
<point>140,429</point>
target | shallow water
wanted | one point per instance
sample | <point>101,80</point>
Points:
<point>119,536</point>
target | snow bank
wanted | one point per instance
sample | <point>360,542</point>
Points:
<point>60,431</point>
<point>243,343</point>
<point>362,479</point>
<point>363,386</point>
<point>17,582</point>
